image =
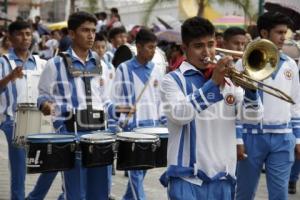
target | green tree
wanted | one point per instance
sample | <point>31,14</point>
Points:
<point>92,5</point>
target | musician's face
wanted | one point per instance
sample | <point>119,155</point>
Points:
<point>236,43</point>
<point>21,39</point>
<point>100,47</point>
<point>276,35</point>
<point>198,49</point>
<point>118,40</point>
<point>83,37</point>
<point>146,51</point>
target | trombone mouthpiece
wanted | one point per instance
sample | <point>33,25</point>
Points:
<point>207,60</point>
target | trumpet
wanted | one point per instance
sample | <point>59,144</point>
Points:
<point>260,59</point>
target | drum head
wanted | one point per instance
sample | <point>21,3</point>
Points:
<point>162,132</point>
<point>52,138</point>
<point>99,137</point>
<point>133,137</point>
<point>152,130</point>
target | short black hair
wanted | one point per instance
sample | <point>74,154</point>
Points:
<point>144,36</point>
<point>100,37</point>
<point>64,31</point>
<point>219,34</point>
<point>17,26</point>
<point>196,27</point>
<point>114,10</point>
<point>116,31</point>
<point>78,18</point>
<point>103,14</point>
<point>233,31</point>
<point>269,20</point>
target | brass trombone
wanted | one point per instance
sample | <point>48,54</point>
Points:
<point>260,60</point>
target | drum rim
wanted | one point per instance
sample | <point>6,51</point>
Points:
<point>62,138</point>
<point>155,138</point>
<point>110,138</point>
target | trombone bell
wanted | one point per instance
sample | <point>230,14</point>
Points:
<point>260,59</point>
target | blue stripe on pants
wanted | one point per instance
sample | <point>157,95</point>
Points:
<point>179,189</point>
<point>86,183</point>
<point>17,163</point>
<point>135,188</point>
<point>42,186</point>
<point>277,152</point>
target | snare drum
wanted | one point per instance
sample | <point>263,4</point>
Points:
<point>163,134</point>
<point>136,151</point>
<point>30,120</point>
<point>97,149</point>
<point>50,152</point>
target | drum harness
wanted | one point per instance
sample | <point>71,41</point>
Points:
<point>89,119</point>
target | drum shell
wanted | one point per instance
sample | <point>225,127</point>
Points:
<point>161,153</point>
<point>51,156</point>
<point>97,154</point>
<point>136,156</point>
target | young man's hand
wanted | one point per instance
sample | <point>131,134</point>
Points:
<point>221,69</point>
<point>47,108</point>
<point>125,109</point>
<point>241,153</point>
<point>16,73</point>
<point>297,152</point>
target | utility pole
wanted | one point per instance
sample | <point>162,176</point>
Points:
<point>72,6</point>
<point>5,11</point>
<point>261,7</point>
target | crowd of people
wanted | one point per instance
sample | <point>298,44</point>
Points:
<point>221,135</point>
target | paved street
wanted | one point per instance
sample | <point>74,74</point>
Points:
<point>154,190</point>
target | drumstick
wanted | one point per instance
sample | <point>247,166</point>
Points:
<point>132,110</point>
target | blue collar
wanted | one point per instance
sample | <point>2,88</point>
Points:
<point>135,63</point>
<point>282,58</point>
<point>75,58</point>
<point>13,56</point>
<point>189,70</point>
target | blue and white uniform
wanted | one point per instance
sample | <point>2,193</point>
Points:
<point>272,140</point>
<point>20,91</point>
<point>131,78</point>
<point>107,78</point>
<point>202,133</point>
<point>68,93</point>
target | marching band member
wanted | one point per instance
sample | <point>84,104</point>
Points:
<point>131,77</point>
<point>200,105</point>
<point>64,88</point>
<point>106,82</point>
<point>234,39</point>
<point>116,38</point>
<point>19,76</point>
<point>272,141</point>
<point>100,47</point>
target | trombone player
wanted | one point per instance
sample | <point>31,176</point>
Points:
<point>200,107</point>
<point>272,141</point>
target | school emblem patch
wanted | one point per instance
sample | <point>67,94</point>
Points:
<point>230,99</point>
<point>155,83</point>
<point>110,75</point>
<point>101,82</point>
<point>288,74</point>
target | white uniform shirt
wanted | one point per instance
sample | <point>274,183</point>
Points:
<point>202,123</point>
